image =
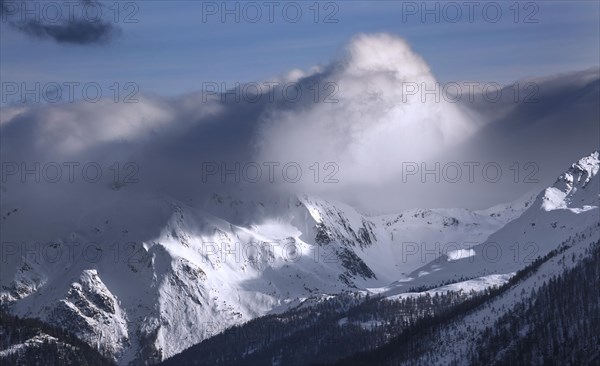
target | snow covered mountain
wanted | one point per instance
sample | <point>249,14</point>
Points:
<point>563,279</point>
<point>557,214</point>
<point>149,299</point>
<point>141,288</point>
<point>471,309</point>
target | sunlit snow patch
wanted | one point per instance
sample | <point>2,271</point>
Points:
<point>460,254</point>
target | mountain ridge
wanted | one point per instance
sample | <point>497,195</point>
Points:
<point>162,294</point>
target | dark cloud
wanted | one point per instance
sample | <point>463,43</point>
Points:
<point>76,32</point>
<point>79,31</point>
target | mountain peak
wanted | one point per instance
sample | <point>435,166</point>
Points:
<point>570,187</point>
<point>581,172</point>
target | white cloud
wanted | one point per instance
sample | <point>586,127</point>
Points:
<point>373,125</point>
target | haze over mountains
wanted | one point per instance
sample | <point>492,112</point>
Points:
<point>159,254</point>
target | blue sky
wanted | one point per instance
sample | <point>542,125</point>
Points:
<point>171,50</point>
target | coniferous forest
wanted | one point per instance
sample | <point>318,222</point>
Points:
<point>28,341</point>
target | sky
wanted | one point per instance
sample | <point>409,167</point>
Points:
<point>353,133</point>
<point>172,47</point>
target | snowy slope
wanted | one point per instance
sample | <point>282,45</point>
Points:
<point>557,214</point>
<point>395,245</point>
<point>455,340</point>
<point>147,300</point>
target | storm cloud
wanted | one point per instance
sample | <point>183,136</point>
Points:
<point>70,27</point>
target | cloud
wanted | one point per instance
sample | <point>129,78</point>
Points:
<point>69,30</point>
<point>373,122</point>
<point>79,32</point>
<point>368,133</point>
